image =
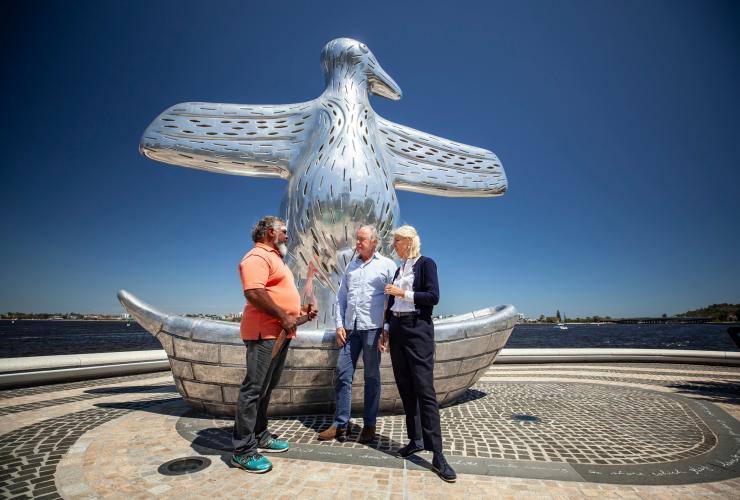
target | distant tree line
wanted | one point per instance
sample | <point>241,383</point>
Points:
<point>587,319</point>
<point>718,312</point>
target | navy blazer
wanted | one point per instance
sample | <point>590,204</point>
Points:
<point>425,288</point>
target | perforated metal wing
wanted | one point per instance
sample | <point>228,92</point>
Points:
<point>428,164</point>
<point>259,141</point>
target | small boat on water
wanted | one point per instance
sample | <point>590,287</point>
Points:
<point>208,360</point>
<point>561,326</point>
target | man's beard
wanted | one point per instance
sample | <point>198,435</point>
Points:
<point>282,247</point>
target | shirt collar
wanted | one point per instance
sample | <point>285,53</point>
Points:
<point>268,248</point>
<point>376,255</point>
<point>413,261</point>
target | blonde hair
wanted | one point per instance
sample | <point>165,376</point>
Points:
<point>410,233</point>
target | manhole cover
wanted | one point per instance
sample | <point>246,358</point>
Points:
<point>186,465</point>
<point>523,417</point>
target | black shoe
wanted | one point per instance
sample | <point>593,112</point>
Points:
<point>409,450</point>
<point>443,469</point>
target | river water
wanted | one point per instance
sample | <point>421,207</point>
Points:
<point>38,338</point>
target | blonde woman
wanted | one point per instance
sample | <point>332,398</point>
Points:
<point>410,333</point>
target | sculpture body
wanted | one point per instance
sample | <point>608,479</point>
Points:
<point>343,164</point>
<point>342,161</point>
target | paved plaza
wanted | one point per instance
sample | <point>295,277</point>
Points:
<point>547,431</point>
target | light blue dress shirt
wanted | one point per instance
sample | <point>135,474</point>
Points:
<point>360,297</point>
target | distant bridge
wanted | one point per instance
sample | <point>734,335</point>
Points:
<point>672,319</point>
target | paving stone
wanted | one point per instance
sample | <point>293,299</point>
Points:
<point>590,417</point>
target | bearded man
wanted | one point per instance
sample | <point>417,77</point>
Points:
<point>271,315</point>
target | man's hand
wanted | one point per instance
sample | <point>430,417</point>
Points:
<point>383,343</point>
<point>309,311</point>
<point>341,337</point>
<point>288,322</point>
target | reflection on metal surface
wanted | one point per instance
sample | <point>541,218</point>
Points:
<point>342,161</point>
<point>208,360</point>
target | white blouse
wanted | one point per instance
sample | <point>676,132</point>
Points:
<point>405,281</point>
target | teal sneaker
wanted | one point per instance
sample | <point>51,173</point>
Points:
<point>255,463</point>
<point>274,446</point>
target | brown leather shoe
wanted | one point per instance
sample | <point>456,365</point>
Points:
<point>332,433</point>
<point>367,435</point>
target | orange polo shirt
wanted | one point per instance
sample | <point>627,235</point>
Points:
<point>263,267</point>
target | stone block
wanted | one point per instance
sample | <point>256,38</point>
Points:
<point>387,405</point>
<point>325,408</point>
<point>166,340</point>
<point>280,396</point>
<point>181,369</point>
<point>219,374</point>
<point>233,354</point>
<point>179,387</point>
<point>458,349</point>
<point>231,393</point>
<point>386,376</point>
<point>389,391</point>
<point>446,369</point>
<point>301,378</point>
<point>385,360</point>
<point>198,405</point>
<point>499,339</point>
<point>453,396</point>
<point>317,395</point>
<point>196,351</point>
<point>452,383</point>
<point>312,358</point>
<point>208,392</point>
<point>475,363</point>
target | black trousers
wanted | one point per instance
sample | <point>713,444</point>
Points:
<point>263,374</point>
<point>412,357</point>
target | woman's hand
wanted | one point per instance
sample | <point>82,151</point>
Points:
<point>394,290</point>
<point>383,343</point>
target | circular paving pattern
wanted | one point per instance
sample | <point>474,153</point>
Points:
<point>596,429</point>
<point>574,423</point>
<point>578,423</point>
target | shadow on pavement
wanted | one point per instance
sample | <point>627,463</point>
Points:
<point>714,391</point>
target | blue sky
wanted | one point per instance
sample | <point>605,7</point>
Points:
<point>616,122</point>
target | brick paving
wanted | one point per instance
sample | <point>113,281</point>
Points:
<point>593,426</point>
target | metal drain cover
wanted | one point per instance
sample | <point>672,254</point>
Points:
<point>524,418</point>
<point>186,465</point>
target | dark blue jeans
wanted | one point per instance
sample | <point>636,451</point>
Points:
<point>365,341</point>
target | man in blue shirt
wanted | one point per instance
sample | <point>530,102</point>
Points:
<point>359,320</point>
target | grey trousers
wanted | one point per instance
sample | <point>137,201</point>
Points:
<point>263,374</point>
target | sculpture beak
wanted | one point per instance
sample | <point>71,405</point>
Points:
<point>383,85</point>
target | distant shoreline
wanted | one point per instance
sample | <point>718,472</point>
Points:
<point>62,320</point>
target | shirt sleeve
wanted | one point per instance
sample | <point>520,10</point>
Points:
<point>341,303</point>
<point>254,272</point>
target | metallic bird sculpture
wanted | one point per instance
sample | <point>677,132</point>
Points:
<point>343,164</point>
<point>342,161</point>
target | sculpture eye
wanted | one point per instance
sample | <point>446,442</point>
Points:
<point>364,48</point>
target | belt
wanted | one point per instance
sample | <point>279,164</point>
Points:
<point>404,313</point>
